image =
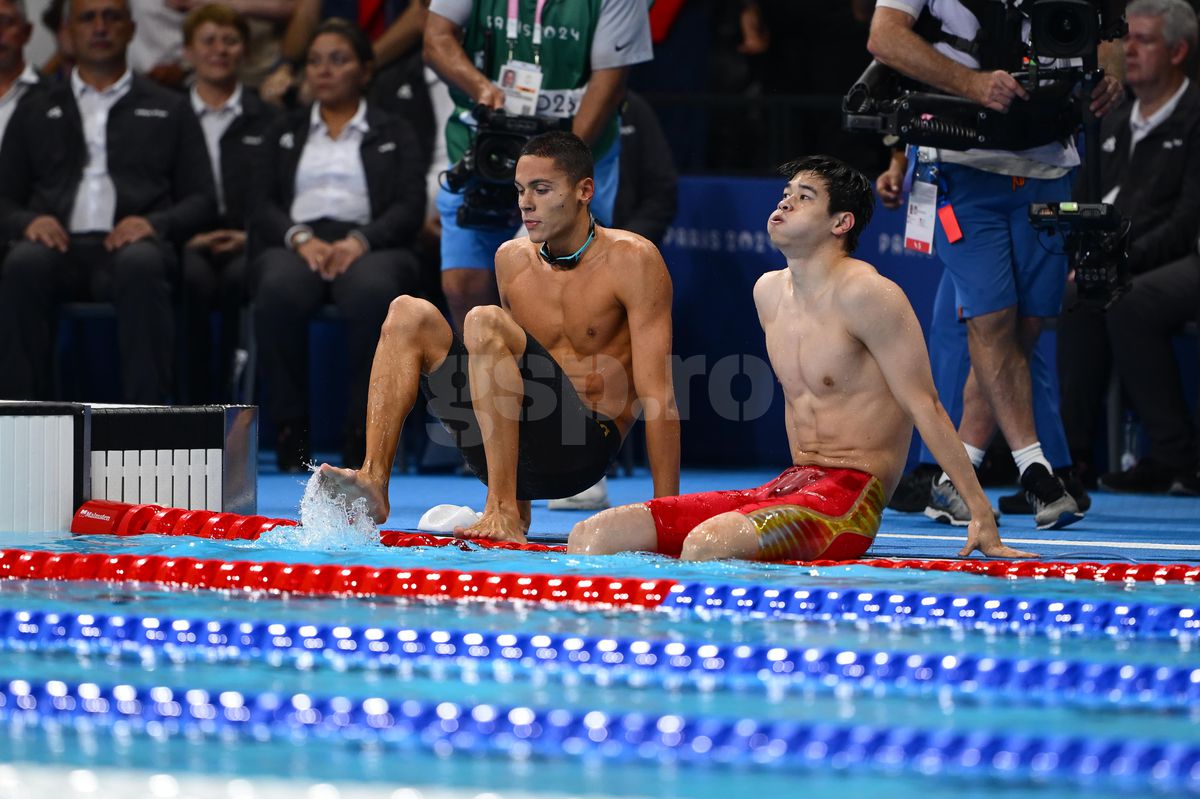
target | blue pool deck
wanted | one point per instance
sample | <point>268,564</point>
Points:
<point>1119,527</point>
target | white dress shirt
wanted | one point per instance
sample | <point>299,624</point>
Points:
<point>8,100</point>
<point>96,199</point>
<point>331,182</point>
<point>214,122</point>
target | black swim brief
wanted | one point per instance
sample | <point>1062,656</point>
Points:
<point>565,446</point>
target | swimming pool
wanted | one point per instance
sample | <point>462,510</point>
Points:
<point>747,678</point>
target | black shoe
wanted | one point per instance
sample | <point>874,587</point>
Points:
<point>1053,507</point>
<point>291,448</point>
<point>1018,504</point>
<point>1148,476</point>
<point>913,491</point>
<point>1187,485</point>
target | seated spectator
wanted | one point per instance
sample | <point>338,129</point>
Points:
<point>235,121</point>
<point>265,23</point>
<point>1150,170</point>
<point>16,77</point>
<point>104,177</point>
<point>394,28</point>
<point>157,48</point>
<point>343,197</point>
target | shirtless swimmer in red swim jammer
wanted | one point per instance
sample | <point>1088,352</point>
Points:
<point>848,350</point>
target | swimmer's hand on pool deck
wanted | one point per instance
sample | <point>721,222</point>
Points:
<point>983,535</point>
<point>357,483</point>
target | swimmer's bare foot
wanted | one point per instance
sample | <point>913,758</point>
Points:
<point>496,525</point>
<point>355,484</point>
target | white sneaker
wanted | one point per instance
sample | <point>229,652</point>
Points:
<point>594,498</point>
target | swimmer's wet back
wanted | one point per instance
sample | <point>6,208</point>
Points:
<point>565,447</point>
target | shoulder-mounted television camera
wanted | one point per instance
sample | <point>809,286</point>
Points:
<point>485,173</point>
<point>885,102</point>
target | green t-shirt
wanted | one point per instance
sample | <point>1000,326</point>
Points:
<point>568,30</point>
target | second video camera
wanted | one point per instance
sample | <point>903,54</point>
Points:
<point>485,174</point>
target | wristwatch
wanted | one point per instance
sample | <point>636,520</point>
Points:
<point>300,238</point>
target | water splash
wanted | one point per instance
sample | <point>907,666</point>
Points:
<point>327,522</point>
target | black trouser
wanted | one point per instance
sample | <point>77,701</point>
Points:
<point>1136,333</point>
<point>35,279</point>
<point>211,282</point>
<point>289,294</point>
<point>1084,368</point>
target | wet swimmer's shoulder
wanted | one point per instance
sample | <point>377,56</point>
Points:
<point>514,249</point>
<point>516,254</point>
<point>629,250</point>
<point>623,239</point>
<point>862,290</point>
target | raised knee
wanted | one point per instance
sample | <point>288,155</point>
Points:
<point>484,327</point>
<point>407,315</point>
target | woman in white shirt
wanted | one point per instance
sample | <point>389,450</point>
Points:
<point>341,196</point>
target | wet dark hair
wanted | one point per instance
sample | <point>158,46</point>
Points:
<point>351,33</point>
<point>848,190</point>
<point>569,152</point>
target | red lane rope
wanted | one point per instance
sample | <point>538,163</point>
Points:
<point>97,517</point>
<point>104,517</point>
<point>332,580</point>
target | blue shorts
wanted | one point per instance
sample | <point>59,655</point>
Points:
<point>465,248</point>
<point>1001,261</point>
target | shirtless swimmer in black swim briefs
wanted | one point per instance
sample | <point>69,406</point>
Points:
<point>539,392</point>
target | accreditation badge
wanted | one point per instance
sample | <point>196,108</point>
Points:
<point>520,81</point>
<point>922,208</point>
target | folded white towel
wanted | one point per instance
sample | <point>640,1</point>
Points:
<point>446,518</point>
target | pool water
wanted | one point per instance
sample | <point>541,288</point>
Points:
<point>124,758</point>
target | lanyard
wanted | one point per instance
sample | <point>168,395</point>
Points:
<point>514,25</point>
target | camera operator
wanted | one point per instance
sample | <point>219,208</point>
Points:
<point>1150,170</point>
<point>578,53</point>
<point>1006,282</point>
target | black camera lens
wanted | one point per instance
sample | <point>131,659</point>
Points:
<point>496,157</point>
<point>1064,28</point>
<point>1067,30</point>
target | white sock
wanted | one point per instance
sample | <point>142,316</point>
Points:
<point>1027,456</point>
<point>974,453</point>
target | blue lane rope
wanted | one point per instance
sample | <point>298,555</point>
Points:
<point>730,666</point>
<point>986,612</point>
<point>521,732</point>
